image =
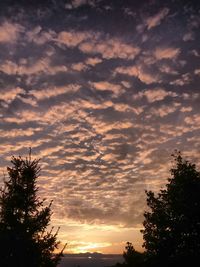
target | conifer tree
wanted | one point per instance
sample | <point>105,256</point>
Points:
<point>132,257</point>
<point>172,223</point>
<point>24,238</point>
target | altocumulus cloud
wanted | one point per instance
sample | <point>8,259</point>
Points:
<point>103,104</point>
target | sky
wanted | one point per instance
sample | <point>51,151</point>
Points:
<point>103,92</point>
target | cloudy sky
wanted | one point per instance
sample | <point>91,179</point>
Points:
<point>103,91</point>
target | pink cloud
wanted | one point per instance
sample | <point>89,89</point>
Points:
<point>93,61</point>
<point>188,37</point>
<point>78,3</point>
<point>96,43</point>
<point>164,110</point>
<point>139,72</point>
<point>155,20</point>
<point>157,94</point>
<point>110,48</point>
<point>23,68</point>
<point>9,95</point>
<point>73,38</point>
<point>9,32</point>
<point>19,132</point>
<point>53,92</point>
<point>166,52</point>
<point>197,72</point>
<point>185,79</point>
<point>168,69</point>
<point>186,109</point>
<point>193,120</point>
<point>80,66</point>
<point>102,86</point>
<point>40,37</point>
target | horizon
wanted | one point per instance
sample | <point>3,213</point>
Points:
<point>103,91</point>
<point>86,260</point>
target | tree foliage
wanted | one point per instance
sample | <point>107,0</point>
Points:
<point>172,224</point>
<point>132,257</point>
<point>24,238</point>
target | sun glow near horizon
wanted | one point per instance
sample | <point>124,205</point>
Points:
<point>100,238</point>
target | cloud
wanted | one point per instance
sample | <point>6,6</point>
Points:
<point>139,72</point>
<point>41,94</point>
<point>168,69</point>
<point>79,66</point>
<point>193,121</point>
<point>166,53</point>
<point>157,95</point>
<point>186,109</point>
<point>178,131</point>
<point>9,32</point>
<point>73,38</point>
<point>164,110</point>
<point>197,72</point>
<point>79,3</point>
<point>147,78</point>
<point>131,70</point>
<point>195,53</point>
<point>155,20</point>
<point>9,94</point>
<point>26,99</point>
<point>96,43</point>
<point>40,37</point>
<point>154,95</point>
<point>102,105</point>
<point>103,86</point>
<point>128,108</point>
<point>19,132</point>
<point>110,48</point>
<point>126,84</point>
<point>43,65</point>
<point>185,79</point>
<point>188,37</point>
<point>93,61</point>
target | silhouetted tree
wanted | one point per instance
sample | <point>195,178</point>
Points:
<point>24,238</point>
<point>132,257</point>
<point>172,224</point>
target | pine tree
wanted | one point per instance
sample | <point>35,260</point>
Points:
<point>172,224</point>
<point>24,238</point>
<point>132,257</point>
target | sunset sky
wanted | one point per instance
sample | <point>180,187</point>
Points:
<point>103,91</point>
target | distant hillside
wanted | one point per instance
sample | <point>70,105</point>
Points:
<point>90,260</point>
